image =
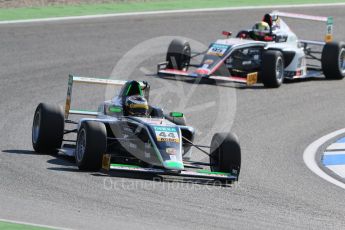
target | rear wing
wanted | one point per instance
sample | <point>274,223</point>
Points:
<point>88,80</point>
<point>327,20</point>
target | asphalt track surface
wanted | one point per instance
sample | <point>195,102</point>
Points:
<point>276,189</point>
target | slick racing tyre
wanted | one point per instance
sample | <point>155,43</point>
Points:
<point>47,128</point>
<point>333,60</point>
<point>272,74</point>
<point>225,154</point>
<point>178,55</point>
<point>91,145</point>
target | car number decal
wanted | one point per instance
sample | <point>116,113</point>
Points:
<point>217,50</point>
<point>166,134</point>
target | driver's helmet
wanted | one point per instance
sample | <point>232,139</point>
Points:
<point>136,105</point>
<point>261,30</point>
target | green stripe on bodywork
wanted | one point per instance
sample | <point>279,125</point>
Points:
<point>176,114</point>
<point>115,109</point>
<point>173,164</point>
<point>204,171</point>
<point>124,165</point>
<point>13,226</point>
<point>129,87</point>
<point>330,21</point>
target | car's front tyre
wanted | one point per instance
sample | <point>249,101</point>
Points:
<point>225,153</point>
<point>91,145</point>
<point>272,73</point>
<point>178,55</point>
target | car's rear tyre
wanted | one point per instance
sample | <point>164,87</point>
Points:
<point>333,60</point>
<point>47,128</point>
<point>91,145</point>
<point>178,55</point>
<point>272,73</point>
<point>225,154</point>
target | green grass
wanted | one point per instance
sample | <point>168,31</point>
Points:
<point>148,5</point>
<point>11,226</point>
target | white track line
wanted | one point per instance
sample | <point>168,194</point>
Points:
<point>333,153</point>
<point>309,157</point>
<point>168,12</point>
<point>32,225</point>
<point>336,146</point>
<point>337,169</point>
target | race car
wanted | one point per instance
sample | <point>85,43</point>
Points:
<point>269,52</point>
<point>128,134</point>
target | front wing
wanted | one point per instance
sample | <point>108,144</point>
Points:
<point>249,79</point>
<point>201,173</point>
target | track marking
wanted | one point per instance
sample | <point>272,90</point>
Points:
<point>336,146</point>
<point>342,140</point>
<point>309,157</point>
<point>326,153</point>
<point>98,16</point>
<point>32,225</point>
<point>337,169</point>
<point>333,159</point>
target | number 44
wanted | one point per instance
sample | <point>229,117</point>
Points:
<point>164,134</point>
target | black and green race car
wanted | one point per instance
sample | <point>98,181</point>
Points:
<point>108,138</point>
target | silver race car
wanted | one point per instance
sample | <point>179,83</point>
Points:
<point>128,134</point>
<point>269,52</point>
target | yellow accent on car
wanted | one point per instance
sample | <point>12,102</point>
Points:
<point>328,38</point>
<point>252,78</point>
<point>138,106</point>
<point>106,162</point>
